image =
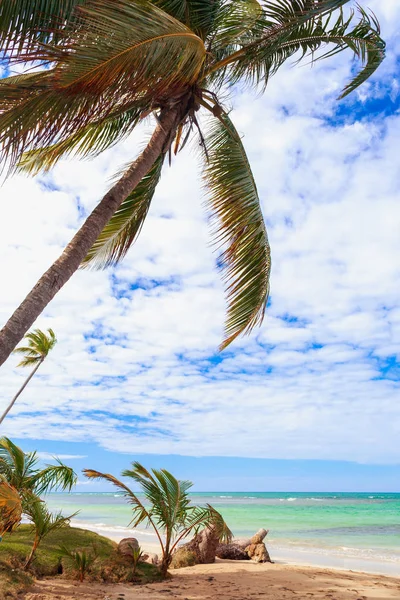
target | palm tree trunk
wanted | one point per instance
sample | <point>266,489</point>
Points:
<point>66,265</point>
<point>21,389</point>
<point>32,553</point>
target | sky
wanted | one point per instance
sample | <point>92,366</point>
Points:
<point>311,400</point>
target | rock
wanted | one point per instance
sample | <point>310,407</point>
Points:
<point>258,553</point>
<point>149,557</point>
<point>231,552</point>
<point>127,546</point>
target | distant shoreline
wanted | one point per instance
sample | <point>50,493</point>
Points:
<point>280,554</point>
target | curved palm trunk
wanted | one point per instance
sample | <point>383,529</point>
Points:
<point>66,265</point>
<point>21,389</point>
<point>32,553</point>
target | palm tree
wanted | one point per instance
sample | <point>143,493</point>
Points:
<point>110,64</point>
<point>22,471</point>
<point>43,522</point>
<point>39,345</point>
<point>80,560</point>
<point>10,507</point>
<point>169,511</point>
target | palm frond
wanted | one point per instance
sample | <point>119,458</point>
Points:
<point>27,22</point>
<point>200,517</point>
<point>277,20</point>
<point>44,521</point>
<point>149,52</point>
<point>89,141</point>
<point>149,59</point>
<point>239,228</point>
<point>10,507</point>
<point>39,346</point>
<point>34,114</point>
<point>198,15</point>
<point>140,513</point>
<point>281,33</point>
<point>12,458</point>
<point>167,496</point>
<point>53,478</point>
<point>125,225</point>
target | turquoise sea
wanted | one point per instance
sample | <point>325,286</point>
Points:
<point>337,529</point>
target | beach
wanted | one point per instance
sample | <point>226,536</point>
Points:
<point>236,580</point>
<point>359,532</point>
<point>324,547</point>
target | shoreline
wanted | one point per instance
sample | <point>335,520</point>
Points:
<point>232,580</point>
<point>281,555</point>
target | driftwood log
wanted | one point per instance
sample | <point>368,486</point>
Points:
<point>245,549</point>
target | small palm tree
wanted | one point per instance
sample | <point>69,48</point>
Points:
<point>81,560</point>
<point>39,345</point>
<point>170,512</point>
<point>10,507</point>
<point>21,470</point>
<point>137,554</point>
<point>113,63</point>
<point>43,522</point>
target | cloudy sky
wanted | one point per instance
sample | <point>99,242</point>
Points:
<point>314,394</point>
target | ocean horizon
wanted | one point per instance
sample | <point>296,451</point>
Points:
<point>348,530</point>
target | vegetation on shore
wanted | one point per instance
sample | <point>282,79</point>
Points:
<point>168,509</point>
<point>50,559</point>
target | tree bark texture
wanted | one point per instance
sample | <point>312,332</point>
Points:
<point>69,261</point>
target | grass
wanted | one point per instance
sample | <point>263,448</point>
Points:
<point>109,566</point>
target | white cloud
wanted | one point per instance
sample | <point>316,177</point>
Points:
<point>136,368</point>
<point>49,456</point>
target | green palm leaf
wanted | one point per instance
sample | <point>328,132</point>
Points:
<point>33,113</point>
<point>39,346</point>
<point>89,141</point>
<point>140,513</point>
<point>21,470</point>
<point>261,59</point>
<point>125,225</point>
<point>235,205</point>
<point>149,52</point>
<point>149,58</point>
<point>53,478</point>
<point>26,22</point>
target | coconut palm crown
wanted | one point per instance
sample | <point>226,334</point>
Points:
<point>39,344</point>
<point>108,64</point>
<point>23,472</point>
<point>38,347</point>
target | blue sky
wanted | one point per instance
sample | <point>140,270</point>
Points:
<point>308,402</point>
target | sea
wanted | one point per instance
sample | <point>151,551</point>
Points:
<point>357,531</point>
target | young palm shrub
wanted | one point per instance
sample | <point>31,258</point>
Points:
<point>10,507</point>
<point>169,510</point>
<point>111,64</point>
<point>137,554</point>
<point>26,482</point>
<point>22,471</point>
<point>38,347</point>
<point>43,522</point>
<point>80,560</point>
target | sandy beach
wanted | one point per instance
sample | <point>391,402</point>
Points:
<point>233,581</point>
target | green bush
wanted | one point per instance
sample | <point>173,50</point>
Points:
<point>109,566</point>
